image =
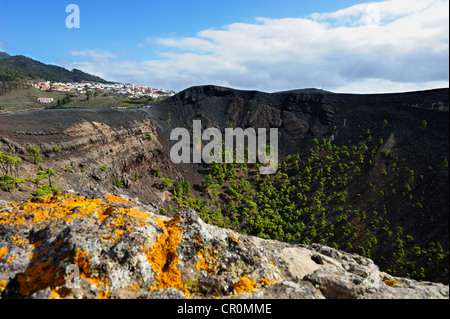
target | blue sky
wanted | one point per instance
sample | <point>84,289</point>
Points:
<point>37,28</point>
<point>352,46</point>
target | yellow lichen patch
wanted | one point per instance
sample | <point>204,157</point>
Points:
<point>54,295</point>
<point>104,214</point>
<point>60,293</point>
<point>19,241</point>
<point>3,252</point>
<point>245,284</point>
<point>104,295</point>
<point>16,240</point>
<point>40,276</point>
<point>266,282</point>
<point>107,237</point>
<point>3,285</point>
<point>32,255</point>
<point>208,261</point>
<point>133,287</point>
<point>125,220</point>
<point>137,218</point>
<point>84,263</point>
<point>129,218</point>
<point>11,259</point>
<point>118,221</point>
<point>164,258</point>
<point>119,233</point>
<point>236,239</point>
<point>116,200</point>
<point>391,283</point>
<point>59,206</point>
<point>46,211</point>
<point>65,207</point>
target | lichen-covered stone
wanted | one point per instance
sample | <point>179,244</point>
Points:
<point>89,245</point>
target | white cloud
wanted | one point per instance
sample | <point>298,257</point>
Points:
<point>94,54</point>
<point>370,12</point>
<point>388,86</point>
<point>370,47</point>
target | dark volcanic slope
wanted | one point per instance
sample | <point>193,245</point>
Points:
<point>406,135</point>
<point>305,114</point>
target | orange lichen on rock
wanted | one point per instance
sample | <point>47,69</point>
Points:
<point>116,235</point>
<point>40,276</point>
<point>116,200</point>
<point>3,285</point>
<point>119,233</point>
<point>208,261</point>
<point>236,239</point>
<point>59,206</point>
<point>68,207</point>
<point>104,214</point>
<point>245,284</point>
<point>3,252</point>
<point>137,217</point>
<point>55,295</point>
<point>118,221</point>
<point>266,282</point>
<point>133,287</point>
<point>164,257</point>
<point>18,241</point>
<point>84,263</point>
<point>391,283</point>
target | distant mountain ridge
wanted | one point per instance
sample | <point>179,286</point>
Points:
<point>16,67</point>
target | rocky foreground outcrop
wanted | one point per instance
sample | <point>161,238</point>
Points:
<point>90,245</point>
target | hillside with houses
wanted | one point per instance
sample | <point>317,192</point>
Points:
<point>26,84</point>
<point>87,88</point>
<point>37,95</point>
